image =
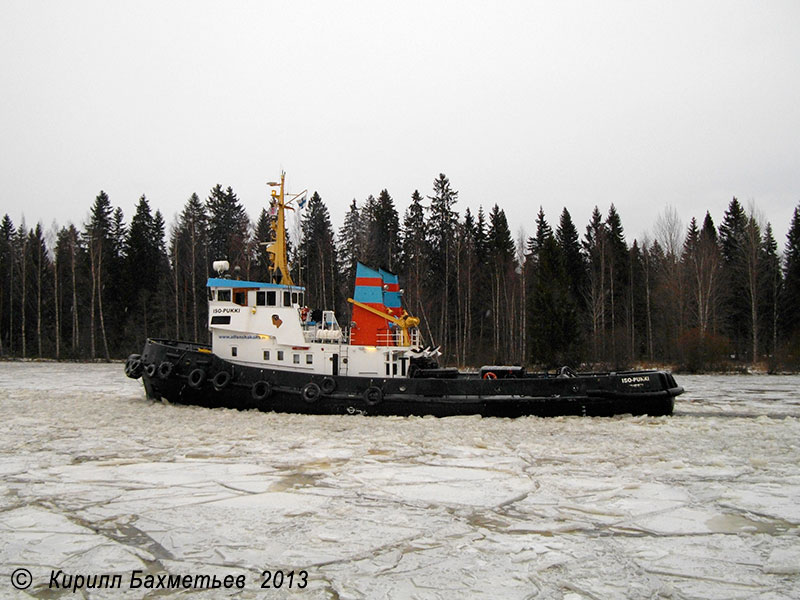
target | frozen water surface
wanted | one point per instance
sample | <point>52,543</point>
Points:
<point>704,504</point>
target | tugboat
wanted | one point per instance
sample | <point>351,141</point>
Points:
<point>270,352</point>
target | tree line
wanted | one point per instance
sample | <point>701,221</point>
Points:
<point>698,297</point>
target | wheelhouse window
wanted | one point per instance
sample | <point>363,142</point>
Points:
<point>261,298</point>
<point>266,354</point>
<point>294,298</point>
<point>280,354</point>
<point>272,299</point>
<point>296,359</point>
<point>309,359</point>
<point>224,295</point>
<point>287,298</point>
<point>212,294</point>
<point>240,297</point>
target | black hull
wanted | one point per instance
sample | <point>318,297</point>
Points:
<point>188,373</point>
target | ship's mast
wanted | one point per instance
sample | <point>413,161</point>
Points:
<point>279,269</point>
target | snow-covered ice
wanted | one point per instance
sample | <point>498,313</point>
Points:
<point>704,504</point>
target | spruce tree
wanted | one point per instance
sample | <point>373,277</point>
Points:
<point>67,259</point>
<point>701,262</point>
<point>191,268</point>
<point>115,281</point>
<point>382,230</point>
<point>574,270</point>
<point>790,305</point>
<point>501,255</point>
<point>770,285</point>
<point>415,260</point>
<point>317,255</point>
<point>618,282</point>
<point>142,252</point>
<point>38,269</point>
<point>6,282</point>
<point>468,265</point>
<point>551,321</point>
<point>752,268</point>
<point>228,226</point>
<point>595,248</point>
<point>732,239</point>
<point>144,269</point>
<point>349,252</point>
<point>102,257</point>
<point>262,236</point>
<point>441,231</point>
<point>483,277</point>
<point>636,305</point>
<point>571,257</point>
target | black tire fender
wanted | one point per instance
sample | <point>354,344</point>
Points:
<point>137,366</point>
<point>165,369</point>
<point>328,385</point>
<point>261,390</point>
<point>373,395</point>
<point>133,366</point>
<point>196,379</point>
<point>221,380</point>
<point>311,392</point>
<point>566,372</point>
<point>150,370</point>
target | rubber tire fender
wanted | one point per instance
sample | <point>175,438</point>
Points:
<point>260,391</point>
<point>565,371</point>
<point>328,385</point>
<point>311,392</point>
<point>137,366</point>
<point>373,395</point>
<point>133,366</point>
<point>196,379</point>
<point>165,369</point>
<point>221,380</point>
<point>150,370</point>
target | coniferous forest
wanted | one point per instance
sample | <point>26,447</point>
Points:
<point>707,296</point>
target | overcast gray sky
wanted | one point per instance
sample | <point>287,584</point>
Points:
<point>576,104</point>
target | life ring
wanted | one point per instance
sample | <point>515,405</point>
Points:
<point>197,378</point>
<point>489,375</point>
<point>328,385</point>
<point>261,390</point>
<point>221,380</point>
<point>165,369</point>
<point>150,370</point>
<point>373,395</point>
<point>311,392</point>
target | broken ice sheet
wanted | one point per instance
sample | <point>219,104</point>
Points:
<point>701,505</point>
